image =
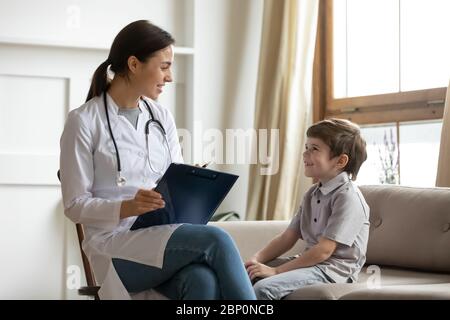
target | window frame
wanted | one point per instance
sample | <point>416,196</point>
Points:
<point>426,104</point>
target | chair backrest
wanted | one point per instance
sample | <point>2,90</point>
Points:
<point>90,279</point>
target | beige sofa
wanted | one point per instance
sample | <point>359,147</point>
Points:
<point>408,254</point>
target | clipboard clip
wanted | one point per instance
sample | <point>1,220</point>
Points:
<point>203,173</point>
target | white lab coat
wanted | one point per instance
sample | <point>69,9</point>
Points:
<point>91,196</point>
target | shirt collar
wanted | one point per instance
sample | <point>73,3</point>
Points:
<point>333,184</point>
<point>115,108</point>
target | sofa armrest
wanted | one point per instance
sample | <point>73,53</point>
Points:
<point>251,236</point>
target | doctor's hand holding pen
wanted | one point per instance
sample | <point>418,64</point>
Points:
<point>204,165</point>
<point>143,202</point>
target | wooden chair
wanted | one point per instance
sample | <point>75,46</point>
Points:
<point>91,289</point>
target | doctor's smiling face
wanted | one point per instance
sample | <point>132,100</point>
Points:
<point>151,75</point>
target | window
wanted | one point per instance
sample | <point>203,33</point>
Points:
<point>384,65</point>
<point>384,60</point>
<point>405,154</point>
<point>388,46</point>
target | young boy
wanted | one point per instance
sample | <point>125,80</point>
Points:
<point>333,219</point>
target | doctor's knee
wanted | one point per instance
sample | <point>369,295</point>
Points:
<point>219,236</point>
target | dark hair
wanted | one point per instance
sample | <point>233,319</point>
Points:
<point>343,137</point>
<point>140,39</point>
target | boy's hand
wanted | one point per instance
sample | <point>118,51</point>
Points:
<point>252,261</point>
<point>260,270</point>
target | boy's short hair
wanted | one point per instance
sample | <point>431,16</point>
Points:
<point>343,137</point>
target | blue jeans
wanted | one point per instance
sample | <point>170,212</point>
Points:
<point>280,285</point>
<point>200,263</point>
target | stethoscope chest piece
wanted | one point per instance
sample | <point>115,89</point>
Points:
<point>121,181</point>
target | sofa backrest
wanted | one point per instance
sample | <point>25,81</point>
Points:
<point>252,236</point>
<point>410,227</point>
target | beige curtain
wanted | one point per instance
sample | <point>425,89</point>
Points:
<point>443,173</point>
<point>283,101</point>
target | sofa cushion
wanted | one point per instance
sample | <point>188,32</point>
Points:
<point>324,291</point>
<point>410,227</point>
<point>408,292</point>
<point>388,277</point>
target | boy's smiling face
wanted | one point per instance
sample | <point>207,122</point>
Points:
<point>318,161</point>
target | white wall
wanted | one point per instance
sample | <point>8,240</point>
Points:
<point>227,57</point>
<point>218,81</point>
<point>34,100</point>
<point>87,23</point>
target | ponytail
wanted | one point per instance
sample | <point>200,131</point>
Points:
<point>99,82</point>
<point>140,39</point>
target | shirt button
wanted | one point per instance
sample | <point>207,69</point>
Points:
<point>141,154</point>
<point>318,201</point>
<point>315,220</point>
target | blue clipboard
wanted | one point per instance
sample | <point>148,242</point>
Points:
<point>191,195</point>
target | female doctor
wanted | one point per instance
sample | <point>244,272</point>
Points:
<point>113,150</point>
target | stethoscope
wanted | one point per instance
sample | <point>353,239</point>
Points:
<point>121,181</point>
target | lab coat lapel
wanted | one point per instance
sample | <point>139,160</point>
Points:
<point>139,133</point>
<point>120,126</point>
<point>113,111</point>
